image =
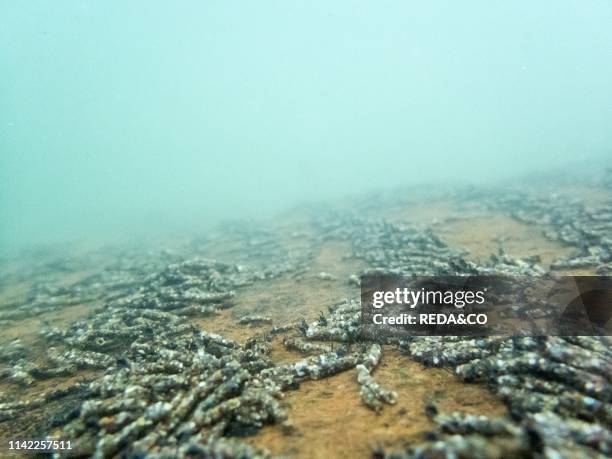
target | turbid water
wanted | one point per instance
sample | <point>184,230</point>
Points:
<point>190,195</point>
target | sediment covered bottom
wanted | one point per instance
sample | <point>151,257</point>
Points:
<point>246,342</point>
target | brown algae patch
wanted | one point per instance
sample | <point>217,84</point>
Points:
<point>289,299</point>
<point>482,236</point>
<point>328,419</point>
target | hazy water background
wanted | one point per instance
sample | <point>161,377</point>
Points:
<point>136,117</point>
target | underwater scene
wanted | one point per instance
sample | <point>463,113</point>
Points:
<point>193,195</point>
